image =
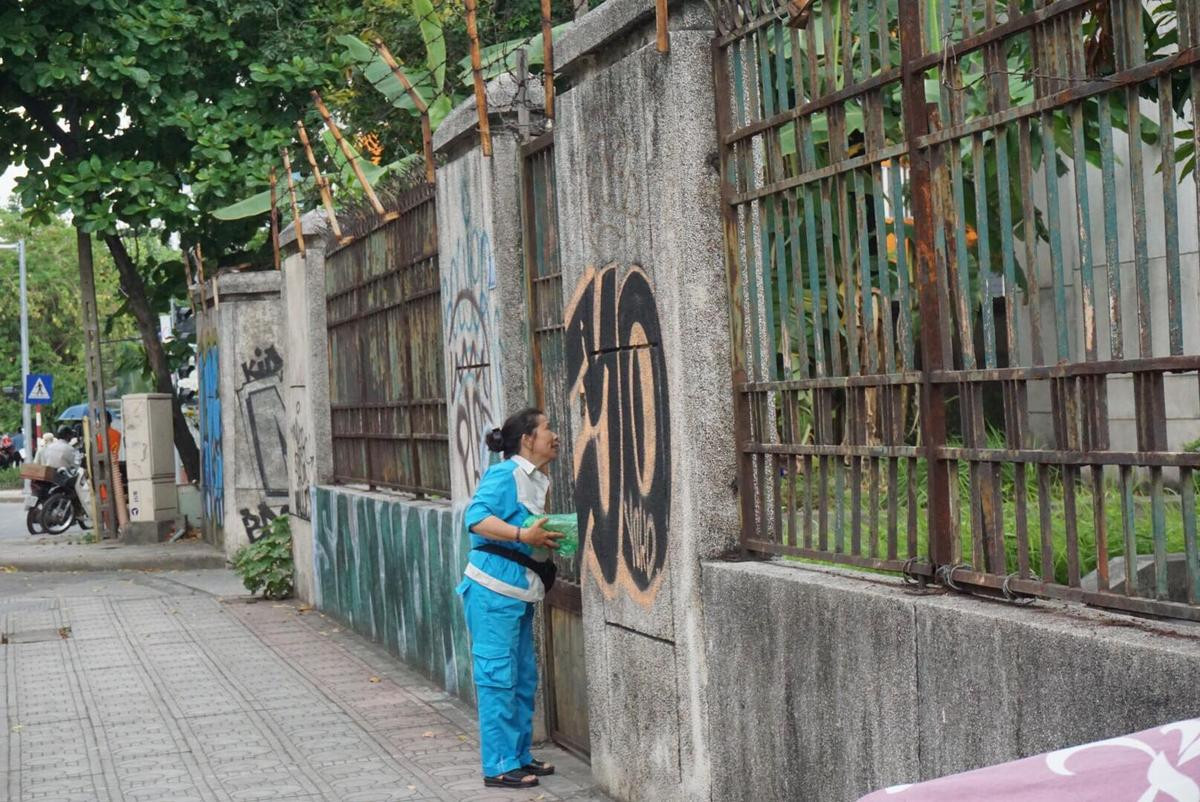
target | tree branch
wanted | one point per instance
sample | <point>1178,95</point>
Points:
<point>42,114</point>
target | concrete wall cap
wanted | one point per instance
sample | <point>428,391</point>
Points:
<point>1045,614</point>
<point>316,228</point>
<point>502,107</point>
<point>614,20</point>
<point>397,497</point>
<point>254,282</point>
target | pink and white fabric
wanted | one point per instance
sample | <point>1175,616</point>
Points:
<point>1156,765</point>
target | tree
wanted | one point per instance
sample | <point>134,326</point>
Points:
<point>55,342</point>
<point>139,118</point>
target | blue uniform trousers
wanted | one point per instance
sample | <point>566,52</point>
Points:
<point>506,676</point>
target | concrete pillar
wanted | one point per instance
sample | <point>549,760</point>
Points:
<point>252,356</point>
<point>648,358</point>
<point>306,386</point>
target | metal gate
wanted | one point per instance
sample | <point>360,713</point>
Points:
<point>566,680</point>
<point>963,302</point>
<point>386,353</point>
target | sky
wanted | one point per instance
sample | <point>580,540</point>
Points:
<point>7,181</point>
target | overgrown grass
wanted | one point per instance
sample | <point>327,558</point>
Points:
<point>874,518</point>
<point>10,478</point>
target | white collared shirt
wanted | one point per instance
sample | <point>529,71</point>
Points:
<point>532,485</point>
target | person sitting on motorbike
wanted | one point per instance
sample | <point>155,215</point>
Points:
<point>61,454</point>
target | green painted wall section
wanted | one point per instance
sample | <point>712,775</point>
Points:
<point>388,568</point>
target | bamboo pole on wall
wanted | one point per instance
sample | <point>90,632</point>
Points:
<point>287,166</point>
<point>663,43</point>
<point>274,220</point>
<point>200,270</point>
<point>485,133</point>
<point>418,101</point>
<point>187,274</point>
<point>548,59</point>
<point>522,98</point>
<point>348,153</point>
<point>322,183</point>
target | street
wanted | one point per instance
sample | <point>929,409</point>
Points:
<point>153,686</point>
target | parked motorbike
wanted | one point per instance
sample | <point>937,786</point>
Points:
<point>54,506</point>
<point>10,455</point>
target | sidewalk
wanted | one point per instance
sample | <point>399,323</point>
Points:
<point>161,691</point>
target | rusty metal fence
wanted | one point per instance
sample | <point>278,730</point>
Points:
<point>543,286</point>
<point>386,364</point>
<point>960,243</point>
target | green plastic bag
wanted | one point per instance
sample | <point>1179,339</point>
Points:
<point>567,524</point>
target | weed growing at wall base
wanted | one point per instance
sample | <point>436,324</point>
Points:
<point>266,564</point>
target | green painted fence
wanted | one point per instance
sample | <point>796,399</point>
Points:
<point>388,568</point>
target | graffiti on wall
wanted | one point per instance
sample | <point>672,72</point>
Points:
<point>212,460</point>
<point>418,552</point>
<point>616,369</point>
<point>260,404</point>
<point>256,522</point>
<point>303,464</point>
<point>470,275</point>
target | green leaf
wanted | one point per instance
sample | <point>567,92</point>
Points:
<point>435,41</point>
<point>261,203</point>
<point>502,58</point>
<point>439,110</point>
<point>356,48</point>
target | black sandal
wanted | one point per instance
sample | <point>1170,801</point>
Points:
<point>517,778</point>
<point>538,767</point>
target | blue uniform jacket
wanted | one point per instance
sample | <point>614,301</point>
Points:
<point>497,495</point>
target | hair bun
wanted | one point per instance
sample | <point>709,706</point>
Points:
<point>495,440</point>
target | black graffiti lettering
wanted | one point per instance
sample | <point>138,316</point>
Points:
<point>623,451</point>
<point>256,523</point>
<point>264,365</point>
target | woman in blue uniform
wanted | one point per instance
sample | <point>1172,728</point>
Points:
<point>499,589</point>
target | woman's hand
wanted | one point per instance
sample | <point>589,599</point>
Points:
<point>541,538</point>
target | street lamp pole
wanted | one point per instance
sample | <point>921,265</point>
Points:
<point>26,418</point>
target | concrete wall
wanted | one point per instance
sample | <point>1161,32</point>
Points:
<point>648,361</point>
<point>826,685</point>
<point>387,567</point>
<point>247,313</point>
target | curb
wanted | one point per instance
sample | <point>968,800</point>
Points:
<point>35,558</point>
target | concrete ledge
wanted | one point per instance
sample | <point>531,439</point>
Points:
<point>109,556</point>
<point>825,685</point>
<point>252,283</point>
<point>502,109</point>
<point>611,23</point>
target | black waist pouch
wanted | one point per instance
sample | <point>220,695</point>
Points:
<point>547,570</point>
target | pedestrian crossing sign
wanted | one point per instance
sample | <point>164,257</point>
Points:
<point>39,388</point>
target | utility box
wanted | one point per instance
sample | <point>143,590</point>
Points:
<point>149,467</point>
<point>149,437</point>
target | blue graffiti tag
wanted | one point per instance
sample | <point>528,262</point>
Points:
<point>212,461</point>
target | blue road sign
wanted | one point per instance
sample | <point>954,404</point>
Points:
<point>39,388</point>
